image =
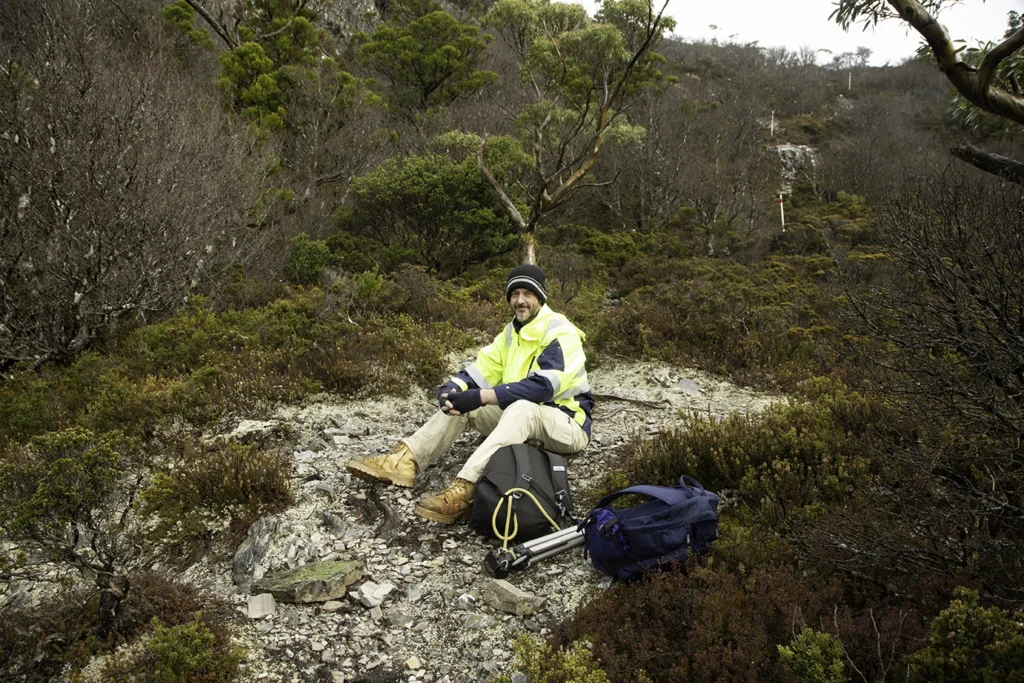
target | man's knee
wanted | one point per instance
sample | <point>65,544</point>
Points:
<point>520,413</point>
<point>520,408</point>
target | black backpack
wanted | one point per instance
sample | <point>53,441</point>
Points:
<point>533,483</point>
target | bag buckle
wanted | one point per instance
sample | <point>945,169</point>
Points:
<point>608,528</point>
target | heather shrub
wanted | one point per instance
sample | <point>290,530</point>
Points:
<point>970,643</point>
<point>779,461</point>
<point>814,657</point>
<point>203,488</point>
<point>27,650</point>
<point>706,624</point>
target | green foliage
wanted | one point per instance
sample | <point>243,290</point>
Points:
<point>543,664</point>
<point>197,488</point>
<point>61,478</point>
<point>178,654</point>
<point>181,15</point>
<point>200,364</point>
<point>971,643</point>
<point>280,54</point>
<point>248,79</point>
<point>814,657</point>
<point>432,210</point>
<point>308,259</point>
<point>430,61</point>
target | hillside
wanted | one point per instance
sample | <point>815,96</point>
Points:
<point>241,243</point>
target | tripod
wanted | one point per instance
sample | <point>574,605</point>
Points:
<point>522,556</point>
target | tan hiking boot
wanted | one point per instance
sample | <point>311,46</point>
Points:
<point>452,505</point>
<point>397,467</point>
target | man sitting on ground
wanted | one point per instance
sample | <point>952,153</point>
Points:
<point>529,383</point>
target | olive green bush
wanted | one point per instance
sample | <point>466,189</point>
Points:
<point>428,210</point>
<point>309,257</point>
<point>177,654</point>
<point>970,643</point>
<point>541,663</point>
<point>201,488</point>
<point>364,332</point>
<point>814,657</point>
<point>769,323</point>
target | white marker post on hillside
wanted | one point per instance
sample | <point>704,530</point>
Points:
<point>782,213</point>
<point>771,134</point>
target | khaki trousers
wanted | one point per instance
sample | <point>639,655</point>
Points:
<point>520,421</point>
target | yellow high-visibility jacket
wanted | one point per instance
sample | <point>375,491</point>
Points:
<point>541,361</point>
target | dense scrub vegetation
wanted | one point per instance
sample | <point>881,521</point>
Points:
<point>202,218</point>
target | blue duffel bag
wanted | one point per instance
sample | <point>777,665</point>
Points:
<point>654,534</point>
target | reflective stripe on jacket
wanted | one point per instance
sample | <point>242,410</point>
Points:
<point>542,362</point>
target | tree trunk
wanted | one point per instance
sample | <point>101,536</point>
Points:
<point>113,590</point>
<point>528,253</point>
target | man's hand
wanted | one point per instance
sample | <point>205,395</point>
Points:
<point>463,402</point>
<point>442,398</point>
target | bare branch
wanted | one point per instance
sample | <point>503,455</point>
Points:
<point>218,28</point>
<point>513,212</point>
<point>1004,167</point>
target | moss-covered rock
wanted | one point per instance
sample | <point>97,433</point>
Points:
<point>316,582</point>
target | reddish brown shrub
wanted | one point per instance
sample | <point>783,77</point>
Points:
<point>724,622</point>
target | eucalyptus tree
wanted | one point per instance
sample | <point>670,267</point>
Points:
<point>579,77</point>
<point>427,56</point>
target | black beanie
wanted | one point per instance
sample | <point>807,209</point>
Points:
<point>529,277</point>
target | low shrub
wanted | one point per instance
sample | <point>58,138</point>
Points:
<point>202,489</point>
<point>541,663</point>
<point>182,653</point>
<point>40,641</point>
<point>35,640</point>
<point>706,624</point>
<point>777,462</point>
<point>729,616</point>
<point>767,324</point>
<point>363,333</point>
<point>970,643</point>
<point>814,657</point>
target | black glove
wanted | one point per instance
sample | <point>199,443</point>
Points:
<point>465,401</point>
<point>442,396</point>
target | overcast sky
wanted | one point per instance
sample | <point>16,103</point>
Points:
<point>795,23</point>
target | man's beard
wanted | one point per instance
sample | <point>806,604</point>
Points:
<point>526,315</point>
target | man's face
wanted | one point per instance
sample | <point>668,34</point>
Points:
<point>525,304</point>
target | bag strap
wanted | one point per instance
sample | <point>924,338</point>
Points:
<point>563,500</point>
<point>693,483</point>
<point>524,472</point>
<point>667,494</point>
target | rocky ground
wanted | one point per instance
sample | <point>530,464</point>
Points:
<point>424,608</point>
